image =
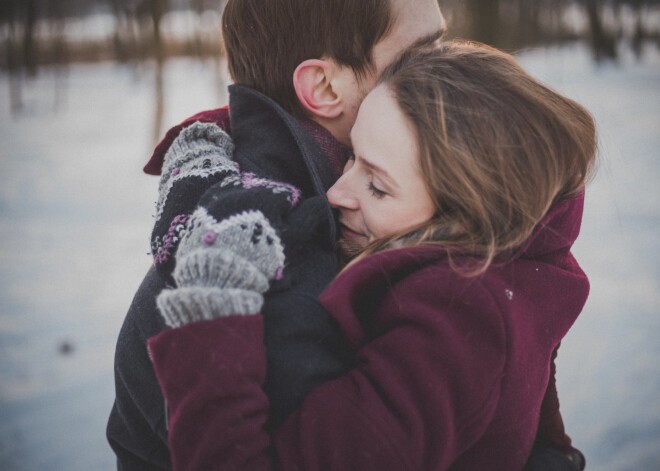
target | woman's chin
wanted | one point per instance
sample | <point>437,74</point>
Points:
<point>351,247</point>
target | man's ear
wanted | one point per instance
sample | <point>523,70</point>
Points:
<point>313,82</point>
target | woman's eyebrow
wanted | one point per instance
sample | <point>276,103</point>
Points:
<point>380,170</point>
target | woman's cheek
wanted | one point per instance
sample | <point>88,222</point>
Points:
<point>374,217</point>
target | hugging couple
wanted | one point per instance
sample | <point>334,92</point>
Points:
<point>363,262</point>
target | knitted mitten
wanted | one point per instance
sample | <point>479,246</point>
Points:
<point>223,255</point>
<point>222,268</point>
<point>200,156</point>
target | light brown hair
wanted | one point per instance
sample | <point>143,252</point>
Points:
<point>266,40</point>
<point>497,148</point>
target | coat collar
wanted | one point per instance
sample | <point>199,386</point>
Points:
<point>272,143</point>
<point>558,230</point>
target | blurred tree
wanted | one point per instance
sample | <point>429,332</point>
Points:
<point>119,11</point>
<point>157,9</point>
<point>485,20</point>
<point>57,13</point>
<point>138,28</point>
<point>29,49</point>
<point>8,19</point>
<point>138,32</point>
<point>528,20</point>
<point>640,32</point>
<point>603,42</point>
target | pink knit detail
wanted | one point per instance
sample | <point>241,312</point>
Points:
<point>250,180</point>
<point>171,237</point>
<point>209,238</point>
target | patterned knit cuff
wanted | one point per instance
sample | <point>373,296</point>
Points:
<point>182,306</point>
<point>195,143</point>
<point>218,268</point>
<point>200,156</point>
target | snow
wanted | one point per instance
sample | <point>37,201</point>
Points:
<point>76,212</point>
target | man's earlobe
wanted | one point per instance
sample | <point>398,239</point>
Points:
<point>312,81</point>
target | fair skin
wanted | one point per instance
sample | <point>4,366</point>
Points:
<point>382,191</point>
<point>332,93</point>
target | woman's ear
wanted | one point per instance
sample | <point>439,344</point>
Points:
<point>313,82</point>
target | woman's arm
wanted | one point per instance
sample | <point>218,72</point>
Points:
<point>407,404</point>
<point>211,374</point>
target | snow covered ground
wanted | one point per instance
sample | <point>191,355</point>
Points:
<point>75,216</point>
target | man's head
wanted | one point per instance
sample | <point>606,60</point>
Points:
<point>319,58</point>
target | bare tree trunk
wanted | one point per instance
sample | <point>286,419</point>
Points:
<point>157,10</point>
<point>198,7</point>
<point>603,44</point>
<point>29,45</point>
<point>159,99</point>
<point>60,55</point>
<point>9,12</point>
<point>485,20</point>
<point>118,39</point>
<point>15,93</point>
<point>639,34</point>
<point>529,20</point>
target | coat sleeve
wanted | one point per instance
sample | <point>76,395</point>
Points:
<point>211,374</point>
<point>420,392</point>
<point>136,428</point>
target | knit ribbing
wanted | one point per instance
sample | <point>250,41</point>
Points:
<point>182,306</point>
<point>218,268</point>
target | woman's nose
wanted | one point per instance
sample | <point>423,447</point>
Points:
<point>340,194</point>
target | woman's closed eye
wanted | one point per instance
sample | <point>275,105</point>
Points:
<point>375,191</point>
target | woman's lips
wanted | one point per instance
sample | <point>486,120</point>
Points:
<point>350,233</point>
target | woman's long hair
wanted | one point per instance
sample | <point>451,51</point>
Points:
<point>497,149</point>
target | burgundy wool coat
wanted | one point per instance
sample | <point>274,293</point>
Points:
<point>448,372</point>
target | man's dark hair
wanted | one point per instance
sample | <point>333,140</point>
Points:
<point>266,40</point>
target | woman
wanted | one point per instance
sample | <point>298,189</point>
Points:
<point>463,200</point>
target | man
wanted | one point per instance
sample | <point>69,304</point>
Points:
<point>303,67</point>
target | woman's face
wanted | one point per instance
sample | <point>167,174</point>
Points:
<point>381,191</point>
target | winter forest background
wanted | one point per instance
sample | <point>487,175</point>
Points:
<point>87,88</point>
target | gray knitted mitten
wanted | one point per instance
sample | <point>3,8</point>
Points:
<point>223,268</point>
<point>200,150</point>
<point>200,157</point>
